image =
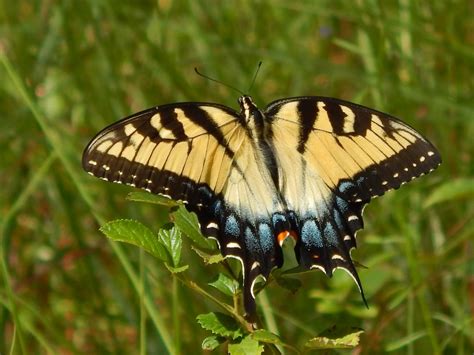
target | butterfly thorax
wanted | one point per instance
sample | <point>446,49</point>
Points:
<point>253,118</point>
<point>258,130</point>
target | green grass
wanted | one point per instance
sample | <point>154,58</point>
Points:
<point>68,69</point>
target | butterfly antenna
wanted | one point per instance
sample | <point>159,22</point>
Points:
<point>217,81</point>
<point>255,75</point>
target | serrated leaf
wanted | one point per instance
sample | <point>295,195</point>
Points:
<point>147,197</point>
<point>339,331</point>
<point>176,270</point>
<point>188,223</point>
<point>209,258</point>
<point>247,346</point>
<point>265,336</point>
<point>171,239</point>
<point>134,232</point>
<point>212,342</point>
<point>452,190</point>
<point>220,324</point>
<point>226,285</point>
<point>348,341</point>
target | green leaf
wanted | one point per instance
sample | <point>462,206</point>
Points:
<point>289,283</point>
<point>212,342</point>
<point>296,271</point>
<point>452,190</point>
<point>265,336</point>
<point>176,270</point>
<point>171,239</point>
<point>207,257</point>
<point>247,346</point>
<point>289,256</point>
<point>338,331</point>
<point>188,223</point>
<point>147,197</point>
<point>226,285</point>
<point>134,232</point>
<point>348,341</point>
<point>220,324</point>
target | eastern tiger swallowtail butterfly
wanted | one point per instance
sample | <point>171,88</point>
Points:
<point>303,167</point>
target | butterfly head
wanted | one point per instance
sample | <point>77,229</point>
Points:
<point>247,107</point>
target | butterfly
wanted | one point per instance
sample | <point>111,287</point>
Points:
<point>302,168</point>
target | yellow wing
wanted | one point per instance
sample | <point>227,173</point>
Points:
<point>168,150</point>
<point>344,154</point>
<point>203,155</point>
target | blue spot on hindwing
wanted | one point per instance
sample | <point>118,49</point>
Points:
<point>310,234</point>
<point>232,226</point>
<point>346,185</point>
<point>266,237</point>
<point>338,219</point>
<point>278,221</point>
<point>217,209</point>
<point>330,233</point>
<point>342,204</point>
<point>251,241</point>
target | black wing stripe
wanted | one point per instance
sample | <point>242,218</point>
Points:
<point>308,112</point>
<point>204,120</point>
<point>336,116</point>
<point>362,122</point>
<point>169,120</point>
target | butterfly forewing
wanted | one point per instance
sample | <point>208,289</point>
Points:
<point>167,149</point>
<point>343,141</point>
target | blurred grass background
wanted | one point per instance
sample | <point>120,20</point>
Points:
<point>68,68</point>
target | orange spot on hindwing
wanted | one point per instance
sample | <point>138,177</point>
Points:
<point>285,234</point>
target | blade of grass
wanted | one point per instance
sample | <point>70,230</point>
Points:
<point>368,57</point>
<point>176,318</point>
<point>59,149</point>
<point>269,318</point>
<point>416,275</point>
<point>143,349</point>
<point>17,205</point>
<point>405,72</point>
<point>33,313</point>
